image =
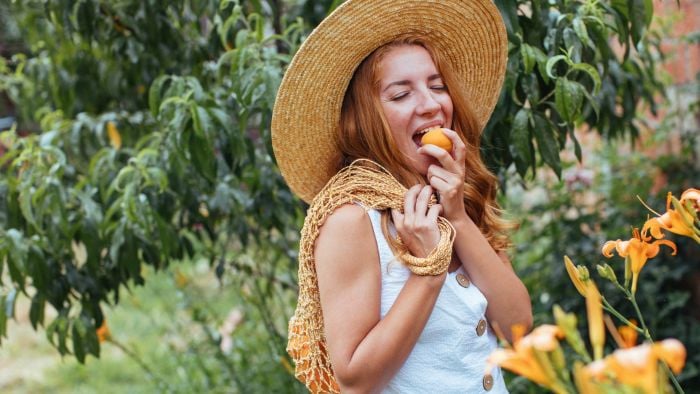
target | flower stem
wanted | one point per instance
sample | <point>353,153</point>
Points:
<point>647,335</point>
<point>617,314</point>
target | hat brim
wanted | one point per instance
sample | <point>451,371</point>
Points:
<point>469,34</point>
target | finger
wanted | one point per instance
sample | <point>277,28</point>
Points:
<point>451,179</point>
<point>434,212</point>
<point>436,170</point>
<point>398,218</point>
<point>459,150</point>
<point>439,184</point>
<point>440,154</point>
<point>422,201</point>
<point>409,205</point>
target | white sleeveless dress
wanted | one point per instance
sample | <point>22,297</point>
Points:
<point>451,352</point>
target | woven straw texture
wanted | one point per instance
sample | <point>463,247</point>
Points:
<point>469,33</point>
<point>370,185</point>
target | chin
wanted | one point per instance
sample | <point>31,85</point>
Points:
<point>421,167</point>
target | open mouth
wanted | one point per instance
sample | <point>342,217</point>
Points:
<point>417,136</point>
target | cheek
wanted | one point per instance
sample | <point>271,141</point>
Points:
<point>394,115</point>
<point>448,108</point>
<point>397,119</point>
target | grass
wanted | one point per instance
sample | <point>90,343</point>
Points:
<point>153,321</point>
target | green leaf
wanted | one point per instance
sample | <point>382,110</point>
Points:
<point>582,32</point>
<point>592,72</point>
<point>90,341</point>
<point>154,94</point>
<point>16,257</point>
<point>509,12</point>
<point>568,98</point>
<point>551,62</point>
<point>521,138</point>
<point>529,57</point>
<point>531,86</point>
<point>202,156</point>
<point>640,14</point>
<point>36,311</point>
<point>3,319</point>
<point>577,145</point>
<point>547,143</point>
<point>76,335</point>
<point>201,120</point>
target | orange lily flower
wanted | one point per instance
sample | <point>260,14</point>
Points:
<point>678,221</point>
<point>672,352</point>
<point>638,250</point>
<point>596,327</point>
<point>575,276</point>
<point>103,333</point>
<point>522,358</point>
<point>638,366</point>
<point>693,195</point>
<point>594,307</point>
<point>634,367</point>
<point>629,335</point>
<point>115,139</point>
<point>586,377</point>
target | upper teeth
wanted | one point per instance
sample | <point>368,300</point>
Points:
<point>425,130</point>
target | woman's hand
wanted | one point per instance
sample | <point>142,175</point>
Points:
<point>417,225</point>
<point>448,177</point>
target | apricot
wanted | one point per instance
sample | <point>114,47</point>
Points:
<point>438,138</point>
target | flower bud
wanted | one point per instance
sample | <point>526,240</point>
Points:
<point>606,272</point>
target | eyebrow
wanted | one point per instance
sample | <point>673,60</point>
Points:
<point>407,82</point>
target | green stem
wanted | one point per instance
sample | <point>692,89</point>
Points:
<point>647,335</point>
<point>676,385</point>
<point>617,314</point>
<point>645,331</point>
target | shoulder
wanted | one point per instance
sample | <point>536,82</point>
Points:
<point>346,236</point>
<point>349,224</point>
<point>347,217</point>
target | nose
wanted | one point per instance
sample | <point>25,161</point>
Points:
<point>427,104</point>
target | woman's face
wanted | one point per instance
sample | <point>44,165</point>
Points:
<point>414,98</point>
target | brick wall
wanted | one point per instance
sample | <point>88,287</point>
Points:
<point>684,62</point>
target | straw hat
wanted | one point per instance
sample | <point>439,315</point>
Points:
<point>469,33</point>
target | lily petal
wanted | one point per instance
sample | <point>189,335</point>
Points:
<point>573,275</point>
<point>622,248</point>
<point>654,247</point>
<point>521,363</point>
<point>672,352</point>
<point>608,247</point>
<point>654,226</point>
<point>692,195</point>
<point>629,335</point>
<point>596,327</point>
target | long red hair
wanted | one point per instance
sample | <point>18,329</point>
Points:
<point>364,133</point>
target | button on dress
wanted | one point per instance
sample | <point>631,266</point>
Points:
<point>451,352</point>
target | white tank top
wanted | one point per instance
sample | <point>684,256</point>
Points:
<point>450,354</point>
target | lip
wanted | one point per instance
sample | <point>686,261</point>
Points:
<point>429,125</point>
<point>418,134</point>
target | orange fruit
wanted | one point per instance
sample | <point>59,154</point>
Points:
<point>438,138</point>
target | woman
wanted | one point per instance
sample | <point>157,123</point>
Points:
<point>366,84</point>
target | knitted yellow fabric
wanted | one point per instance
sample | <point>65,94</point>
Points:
<point>370,185</point>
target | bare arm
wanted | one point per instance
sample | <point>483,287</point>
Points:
<point>508,299</point>
<point>366,352</point>
<point>492,273</point>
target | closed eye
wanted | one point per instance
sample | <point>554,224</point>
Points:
<point>399,96</point>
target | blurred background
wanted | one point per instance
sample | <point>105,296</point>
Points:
<point>148,242</point>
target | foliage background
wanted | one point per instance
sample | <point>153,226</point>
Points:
<point>142,144</point>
